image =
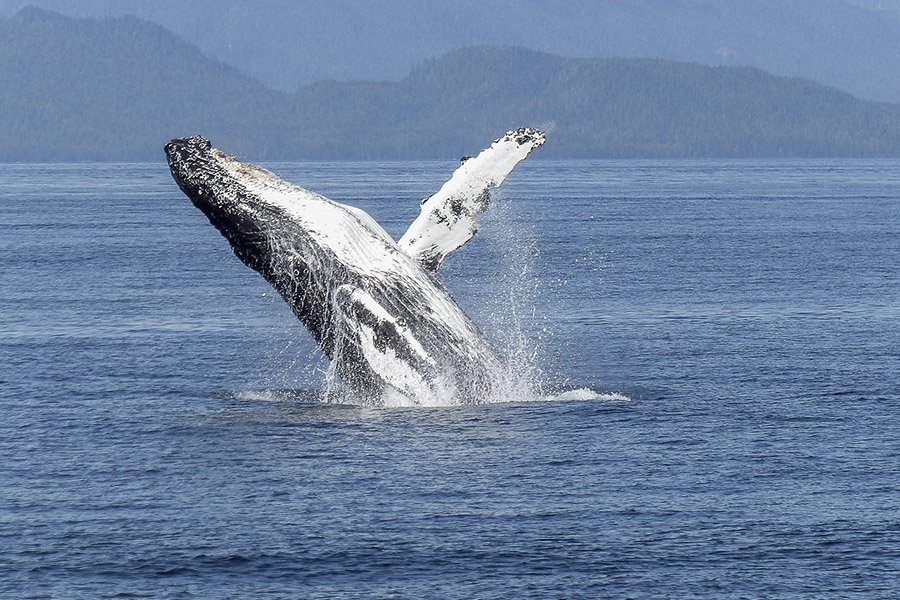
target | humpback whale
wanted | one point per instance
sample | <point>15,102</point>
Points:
<point>374,306</point>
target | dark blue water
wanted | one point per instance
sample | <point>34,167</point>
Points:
<point>749,311</point>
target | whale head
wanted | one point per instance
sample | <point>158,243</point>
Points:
<point>267,218</point>
<point>274,227</point>
<point>243,218</point>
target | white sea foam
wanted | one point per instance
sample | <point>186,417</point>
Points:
<point>394,399</point>
<point>587,395</point>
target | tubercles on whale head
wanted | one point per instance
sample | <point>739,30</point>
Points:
<point>193,167</point>
<point>197,142</point>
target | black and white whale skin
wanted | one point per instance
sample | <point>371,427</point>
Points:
<point>374,306</point>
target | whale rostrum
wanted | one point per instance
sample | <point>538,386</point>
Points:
<point>374,306</point>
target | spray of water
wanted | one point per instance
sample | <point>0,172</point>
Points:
<point>508,310</point>
<point>507,302</point>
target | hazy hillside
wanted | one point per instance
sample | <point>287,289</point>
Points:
<point>598,108</point>
<point>118,88</point>
<point>113,89</point>
<point>850,44</point>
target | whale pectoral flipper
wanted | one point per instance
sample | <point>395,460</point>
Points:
<point>389,349</point>
<point>447,219</point>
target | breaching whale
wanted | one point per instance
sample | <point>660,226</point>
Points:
<point>374,306</point>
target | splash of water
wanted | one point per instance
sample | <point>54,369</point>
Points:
<point>507,306</point>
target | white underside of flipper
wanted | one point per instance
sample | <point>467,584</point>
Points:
<point>447,219</point>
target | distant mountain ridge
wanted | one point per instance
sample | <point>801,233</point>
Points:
<point>109,89</point>
<point>117,88</point>
<point>853,45</point>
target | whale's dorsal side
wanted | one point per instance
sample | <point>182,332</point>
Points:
<point>447,218</point>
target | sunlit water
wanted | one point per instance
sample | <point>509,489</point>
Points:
<point>719,342</point>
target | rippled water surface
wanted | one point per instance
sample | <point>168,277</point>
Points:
<point>162,433</point>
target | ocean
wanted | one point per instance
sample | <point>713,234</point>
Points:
<point>714,345</point>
